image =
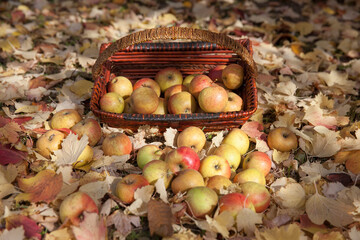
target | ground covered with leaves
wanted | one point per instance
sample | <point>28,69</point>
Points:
<point>307,54</point>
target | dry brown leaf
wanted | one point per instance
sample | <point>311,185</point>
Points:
<point>123,223</point>
<point>354,233</point>
<point>160,218</point>
<point>16,233</point>
<point>328,236</point>
<point>246,220</point>
<point>169,136</point>
<point>291,231</point>
<point>292,195</point>
<point>278,157</point>
<point>32,230</point>
<point>82,87</point>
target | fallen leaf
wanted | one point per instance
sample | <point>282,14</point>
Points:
<point>142,197</point>
<point>312,172</point>
<point>96,190</point>
<point>354,234</point>
<point>277,221</point>
<point>254,130</point>
<point>292,195</point>
<point>334,235</point>
<point>60,234</point>
<point>221,223</point>
<point>278,157</point>
<point>10,156</point>
<point>291,231</point>
<point>16,233</point>
<point>32,230</point>
<point>169,136</point>
<point>92,227</point>
<point>161,189</point>
<point>82,87</point>
<point>308,226</point>
<point>160,218</point>
<point>123,222</point>
<point>246,220</point>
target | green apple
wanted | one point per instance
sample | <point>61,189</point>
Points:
<point>201,201</point>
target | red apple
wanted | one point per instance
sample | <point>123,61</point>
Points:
<point>174,89</point>
<point>198,83</point>
<point>216,72</point>
<point>186,179</point>
<point>217,182</point>
<point>257,194</point>
<point>188,79</point>
<point>126,187</point>
<point>89,127</point>
<point>168,77</point>
<point>182,158</point>
<point>121,85</point>
<point>239,139</point>
<point>65,118</point>
<point>192,137</point>
<point>148,153</point>
<point>201,201</point>
<point>112,102</point>
<point>49,142</point>
<point>144,100</point>
<point>233,76</point>
<point>74,205</point>
<point>234,202</point>
<point>182,103</point>
<point>148,82</point>
<point>259,160</point>
<point>213,99</point>
<point>234,103</point>
<point>250,175</point>
<point>157,169</point>
<point>117,144</point>
<point>282,139</point>
<point>214,165</point>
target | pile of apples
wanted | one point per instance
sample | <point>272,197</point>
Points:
<point>170,93</point>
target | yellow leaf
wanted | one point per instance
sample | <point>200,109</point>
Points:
<point>57,60</point>
<point>328,236</point>
<point>222,223</point>
<point>291,231</point>
<point>60,234</point>
<point>304,28</point>
<point>247,219</point>
<point>279,157</point>
<point>82,87</point>
<point>5,45</point>
<point>292,195</point>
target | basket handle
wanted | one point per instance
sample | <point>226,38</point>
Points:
<point>174,33</point>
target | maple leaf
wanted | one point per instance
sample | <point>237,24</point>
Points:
<point>254,130</point>
<point>221,223</point>
<point>354,234</point>
<point>96,190</point>
<point>142,197</point>
<point>123,223</point>
<point>16,233</point>
<point>161,189</point>
<point>92,227</point>
<point>71,148</point>
<point>291,231</point>
<point>278,157</point>
<point>169,136</point>
<point>338,80</point>
<point>311,172</point>
<point>32,230</point>
<point>60,234</point>
<point>292,195</point>
<point>351,143</point>
<point>315,115</point>
<point>9,132</point>
<point>246,220</point>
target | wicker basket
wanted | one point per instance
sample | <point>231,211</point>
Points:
<point>136,56</point>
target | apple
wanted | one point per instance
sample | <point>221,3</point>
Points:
<point>214,165</point>
<point>192,137</point>
<point>148,153</point>
<point>234,202</point>
<point>116,144</point>
<point>186,179</point>
<point>128,108</point>
<point>112,102</point>
<point>182,158</point>
<point>174,89</point>
<point>201,201</point>
<point>233,76</point>
<point>230,153</point>
<point>73,206</point>
<point>182,103</point>
<point>257,194</point>
<point>89,127</point>
<point>250,175</point>
<point>162,107</point>
<point>148,82</point>
<point>259,160</point>
<point>352,163</point>
<point>217,182</point>
<point>239,139</point>
<point>121,85</point>
<point>216,72</point>
<point>213,99</point>
<point>198,83</point>
<point>49,142</point>
<point>157,169</point>
<point>234,103</point>
<point>144,100</point>
<point>126,187</point>
<point>65,118</point>
<point>188,79</point>
<point>168,77</point>
<point>282,139</point>
<point>85,157</point>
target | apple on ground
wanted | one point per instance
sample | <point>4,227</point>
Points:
<point>188,79</point>
<point>282,139</point>
<point>186,179</point>
<point>49,142</point>
<point>168,77</point>
<point>128,108</point>
<point>201,201</point>
<point>234,202</point>
<point>89,127</point>
<point>148,153</point>
<point>174,89</point>
<point>182,103</point>
<point>214,165</point>
<point>121,85</point>
<point>182,158</point>
<point>84,159</point>
<point>126,187</point>
<point>149,83</point>
<point>216,73</point>
<point>257,194</point>
<point>250,175</point>
<point>213,99</point>
<point>112,102</point>
<point>259,160</point>
<point>192,137</point>
<point>65,118</point>
<point>217,182</point>
<point>74,205</point>
<point>230,153</point>
<point>239,139</point>
<point>144,100</point>
<point>198,83</point>
<point>157,169</point>
<point>162,107</point>
<point>234,103</point>
<point>117,144</point>
<point>233,76</point>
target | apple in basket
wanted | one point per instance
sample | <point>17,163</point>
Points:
<point>198,83</point>
<point>213,99</point>
<point>174,89</point>
<point>216,72</point>
<point>112,102</point>
<point>182,103</point>
<point>188,79</point>
<point>168,77</point>
<point>162,107</point>
<point>121,85</point>
<point>144,100</point>
<point>148,82</point>
<point>233,76</point>
<point>234,103</point>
